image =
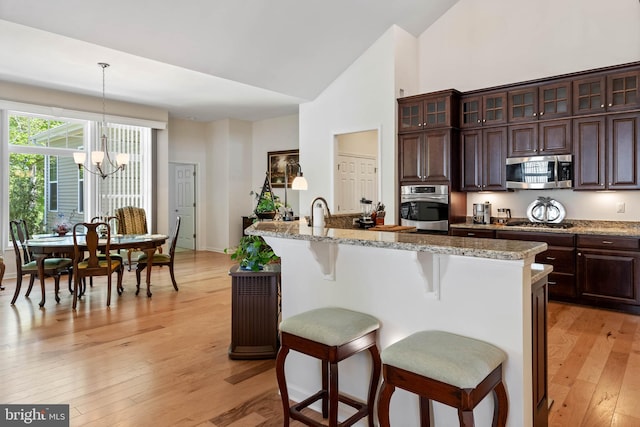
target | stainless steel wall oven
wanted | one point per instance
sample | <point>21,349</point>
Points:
<point>425,207</point>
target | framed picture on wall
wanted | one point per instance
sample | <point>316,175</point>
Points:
<point>277,162</point>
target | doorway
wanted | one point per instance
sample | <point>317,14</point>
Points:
<point>356,170</point>
<point>182,202</point>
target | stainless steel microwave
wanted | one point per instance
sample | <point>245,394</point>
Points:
<point>538,172</point>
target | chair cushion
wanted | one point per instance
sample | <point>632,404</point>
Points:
<point>330,326</point>
<point>101,264</point>
<point>157,258</point>
<point>49,263</point>
<point>452,359</point>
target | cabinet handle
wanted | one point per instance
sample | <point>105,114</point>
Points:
<point>541,113</point>
<point>550,258</point>
<point>484,120</point>
<point>424,124</point>
<point>535,114</point>
<point>419,124</point>
<point>601,105</point>
<point>471,234</point>
<point>610,105</point>
<point>579,253</point>
<point>552,283</point>
<point>478,120</point>
<point>535,150</point>
<point>606,242</point>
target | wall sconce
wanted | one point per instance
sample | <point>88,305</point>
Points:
<point>299,183</point>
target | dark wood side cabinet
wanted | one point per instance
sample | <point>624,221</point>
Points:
<point>606,152</point>
<point>246,222</point>
<point>539,298</point>
<point>609,269</point>
<point>483,152</point>
<point>255,312</point>
<point>560,253</point>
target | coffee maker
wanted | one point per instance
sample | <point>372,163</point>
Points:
<point>482,213</point>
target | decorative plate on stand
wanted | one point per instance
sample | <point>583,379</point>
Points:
<point>546,209</point>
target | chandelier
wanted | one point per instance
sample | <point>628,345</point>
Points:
<point>101,167</point>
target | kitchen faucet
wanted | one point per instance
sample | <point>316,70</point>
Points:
<point>313,202</point>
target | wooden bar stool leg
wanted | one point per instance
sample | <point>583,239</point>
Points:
<point>500,406</point>
<point>333,395</point>
<point>425,412</point>
<point>466,418</point>
<point>375,379</point>
<point>325,388</point>
<point>384,399</point>
<point>282,383</point>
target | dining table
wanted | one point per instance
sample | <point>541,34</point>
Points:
<point>43,246</point>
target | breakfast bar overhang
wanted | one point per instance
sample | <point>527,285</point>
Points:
<point>479,288</point>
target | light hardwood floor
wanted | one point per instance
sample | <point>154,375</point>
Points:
<point>163,361</point>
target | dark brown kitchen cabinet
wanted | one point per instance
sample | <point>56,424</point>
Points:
<point>539,345</point>
<point>473,232</point>
<point>623,91</point>
<point>560,253</point>
<point>535,139</point>
<point>433,110</point>
<point>589,96</point>
<point>608,270</point>
<point>483,153</point>
<point>548,101</point>
<point>426,156</point>
<point>483,110</point>
<point>606,93</point>
<point>606,152</point>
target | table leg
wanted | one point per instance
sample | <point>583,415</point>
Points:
<point>149,252</point>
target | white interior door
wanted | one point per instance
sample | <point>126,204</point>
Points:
<point>356,177</point>
<point>184,204</point>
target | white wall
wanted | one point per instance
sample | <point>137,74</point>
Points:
<point>484,43</point>
<point>361,98</point>
<point>188,145</point>
<point>277,134</point>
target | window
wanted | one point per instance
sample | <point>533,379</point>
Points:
<point>52,196</point>
<point>45,184</point>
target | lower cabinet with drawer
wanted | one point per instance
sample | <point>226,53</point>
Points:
<point>473,232</point>
<point>609,271</point>
<point>561,254</point>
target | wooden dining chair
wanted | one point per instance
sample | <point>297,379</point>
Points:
<point>27,265</point>
<point>132,220</point>
<point>160,259</point>
<point>94,264</point>
<point>1,273</point>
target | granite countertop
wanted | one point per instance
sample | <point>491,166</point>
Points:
<point>438,244</point>
<point>610,228</point>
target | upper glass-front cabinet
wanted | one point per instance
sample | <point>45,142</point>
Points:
<point>483,110</point>
<point>538,103</point>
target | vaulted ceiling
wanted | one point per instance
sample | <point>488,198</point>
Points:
<point>199,59</point>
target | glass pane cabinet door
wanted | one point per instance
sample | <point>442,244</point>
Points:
<point>523,105</point>
<point>411,116</point>
<point>436,112</point>
<point>471,112</point>
<point>588,96</point>
<point>623,91</point>
<point>494,109</point>
<point>555,100</point>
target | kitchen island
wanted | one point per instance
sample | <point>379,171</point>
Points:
<point>474,287</point>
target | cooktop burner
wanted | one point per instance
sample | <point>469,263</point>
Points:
<point>540,224</point>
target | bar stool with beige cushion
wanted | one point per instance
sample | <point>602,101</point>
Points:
<point>451,369</point>
<point>330,334</point>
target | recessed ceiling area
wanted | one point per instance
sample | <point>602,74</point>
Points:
<point>199,59</point>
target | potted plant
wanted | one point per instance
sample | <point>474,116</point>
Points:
<point>268,205</point>
<point>253,253</point>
